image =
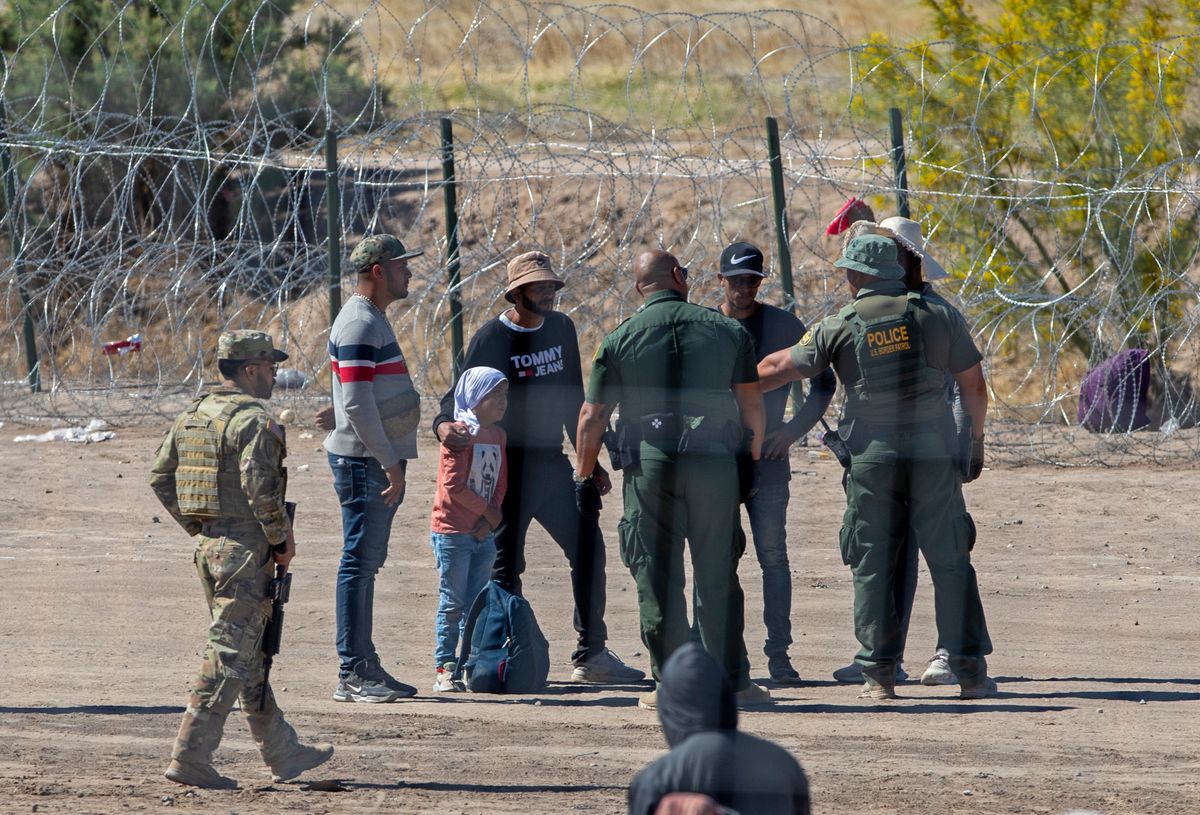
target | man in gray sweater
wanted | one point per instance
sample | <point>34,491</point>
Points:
<point>376,412</point>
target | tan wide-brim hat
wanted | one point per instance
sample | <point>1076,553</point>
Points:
<point>531,267</point>
<point>908,232</point>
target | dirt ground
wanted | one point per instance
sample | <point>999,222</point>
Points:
<point>1089,576</point>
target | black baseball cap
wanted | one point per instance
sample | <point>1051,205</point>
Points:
<point>742,258</point>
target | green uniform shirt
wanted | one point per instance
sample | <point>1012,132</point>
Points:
<point>945,337</point>
<point>259,443</point>
<point>674,357</point>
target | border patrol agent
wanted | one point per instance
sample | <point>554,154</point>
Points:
<point>891,349</point>
<point>220,474</point>
<point>686,382</point>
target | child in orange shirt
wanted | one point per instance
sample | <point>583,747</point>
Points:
<point>466,509</point>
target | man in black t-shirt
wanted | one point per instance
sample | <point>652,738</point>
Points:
<point>772,329</point>
<point>538,350</point>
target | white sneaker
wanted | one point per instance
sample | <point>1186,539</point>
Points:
<point>443,681</point>
<point>938,672</point>
<point>606,667</point>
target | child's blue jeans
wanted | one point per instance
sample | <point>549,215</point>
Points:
<point>465,565</point>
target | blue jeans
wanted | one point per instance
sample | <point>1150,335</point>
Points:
<point>464,565</point>
<point>768,526</point>
<point>366,527</point>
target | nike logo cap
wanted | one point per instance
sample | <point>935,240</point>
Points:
<point>742,258</point>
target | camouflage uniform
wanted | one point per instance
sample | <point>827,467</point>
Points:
<point>220,474</point>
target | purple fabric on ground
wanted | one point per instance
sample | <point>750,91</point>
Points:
<point>1112,397</point>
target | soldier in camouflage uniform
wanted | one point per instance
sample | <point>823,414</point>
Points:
<point>220,474</point>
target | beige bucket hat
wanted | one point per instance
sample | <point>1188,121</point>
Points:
<point>531,267</point>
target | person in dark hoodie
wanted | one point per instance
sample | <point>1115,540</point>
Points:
<point>709,756</point>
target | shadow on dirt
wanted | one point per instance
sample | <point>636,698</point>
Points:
<point>443,786</point>
<point>96,710</point>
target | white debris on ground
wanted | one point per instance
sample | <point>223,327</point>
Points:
<point>94,432</point>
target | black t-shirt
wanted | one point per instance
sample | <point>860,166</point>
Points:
<point>545,379</point>
<point>737,770</point>
<point>774,329</point>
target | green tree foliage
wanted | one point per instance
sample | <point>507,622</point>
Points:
<point>198,60</point>
<point>1051,140</point>
<point>159,92</point>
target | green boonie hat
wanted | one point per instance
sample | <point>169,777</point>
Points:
<point>377,249</point>
<point>248,346</point>
<point>872,254</point>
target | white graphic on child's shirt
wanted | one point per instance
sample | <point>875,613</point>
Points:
<point>485,470</point>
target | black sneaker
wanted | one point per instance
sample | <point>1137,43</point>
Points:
<point>370,683</point>
<point>377,672</point>
<point>781,671</point>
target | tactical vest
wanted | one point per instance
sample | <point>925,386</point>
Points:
<point>895,383</point>
<point>208,481</point>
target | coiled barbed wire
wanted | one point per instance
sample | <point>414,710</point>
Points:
<point>168,180</point>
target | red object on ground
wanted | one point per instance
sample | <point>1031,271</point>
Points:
<point>125,346</point>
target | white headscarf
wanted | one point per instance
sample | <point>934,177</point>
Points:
<point>472,387</point>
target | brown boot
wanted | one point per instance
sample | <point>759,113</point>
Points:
<point>191,760</point>
<point>279,745</point>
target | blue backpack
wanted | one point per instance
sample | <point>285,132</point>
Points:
<point>503,650</point>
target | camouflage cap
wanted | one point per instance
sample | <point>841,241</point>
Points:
<point>248,346</point>
<point>874,255</point>
<point>378,248</point>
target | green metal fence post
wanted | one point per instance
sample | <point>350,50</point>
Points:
<point>16,236</point>
<point>333,202</point>
<point>450,196</point>
<point>783,252</point>
<point>898,168</point>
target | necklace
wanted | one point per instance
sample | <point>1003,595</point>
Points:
<point>378,310</point>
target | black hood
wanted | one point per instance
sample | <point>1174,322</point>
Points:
<point>694,695</point>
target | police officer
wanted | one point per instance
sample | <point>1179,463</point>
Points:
<point>891,349</point>
<point>220,474</point>
<point>685,379</point>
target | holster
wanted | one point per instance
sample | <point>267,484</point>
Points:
<point>623,452</point>
<point>833,439</point>
<point>962,448</point>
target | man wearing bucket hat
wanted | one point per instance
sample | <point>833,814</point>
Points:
<point>892,349</point>
<point>920,270</point>
<point>376,412</point>
<point>538,350</point>
<point>220,474</point>
<point>772,329</point>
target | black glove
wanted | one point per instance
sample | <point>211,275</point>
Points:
<point>975,464</point>
<point>587,499</point>
<point>749,475</point>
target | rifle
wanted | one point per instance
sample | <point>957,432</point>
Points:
<point>279,591</point>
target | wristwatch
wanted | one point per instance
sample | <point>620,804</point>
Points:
<point>581,479</point>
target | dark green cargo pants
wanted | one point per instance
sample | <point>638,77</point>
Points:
<point>902,481</point>
<point>692,497</point>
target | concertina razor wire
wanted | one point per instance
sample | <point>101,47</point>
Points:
<point>168,181</point>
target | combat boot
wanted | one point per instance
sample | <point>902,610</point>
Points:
<point>280,746</point>
<point>191,760</point>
